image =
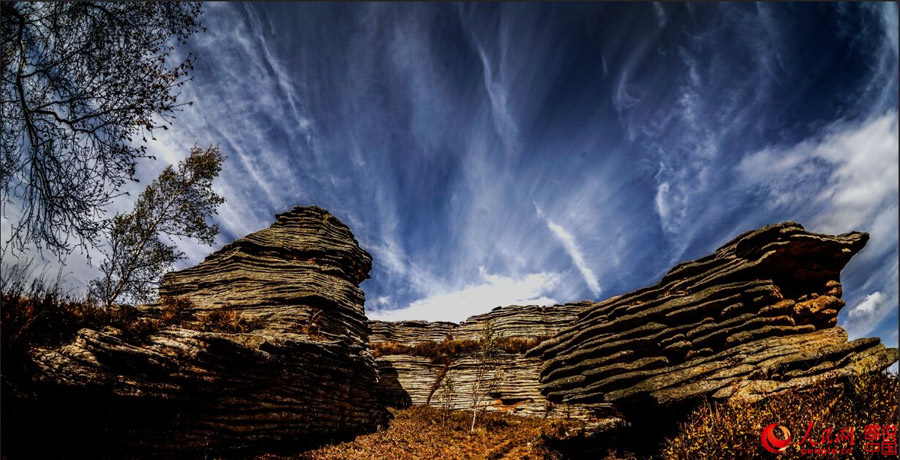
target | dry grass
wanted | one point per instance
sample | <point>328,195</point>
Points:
<point>424,432</point>
<point>312,327</point>
<point>733,430</point>
<point>225,319</point>
<point>40,316</point>
<point>712,431</point>
<point>44,319</point>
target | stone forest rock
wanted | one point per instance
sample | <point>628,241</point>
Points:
<point>293,361</point>
<point>755,318</point>
<point>298,370</point>
<point>411,379</point>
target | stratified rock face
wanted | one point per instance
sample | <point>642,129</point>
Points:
<point>303,270</point>
<point>509,383</point>
<point>525,321</point>
<point>410,332</point>
<point>530,321</point>
<point>757,316</point>
<point>303,374</point>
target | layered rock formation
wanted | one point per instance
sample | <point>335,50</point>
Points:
<point>536,322</point>
<point>529,321</point>
<point>410,332</point>
<point>303,373</point>
<point>758,316</point>
<point>507,383</point>
<point>302,271</point>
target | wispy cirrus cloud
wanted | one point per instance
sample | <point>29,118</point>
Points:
<point>646,134</point>
<point>572,249</point>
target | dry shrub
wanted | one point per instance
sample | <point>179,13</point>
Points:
<point>175,310</point>
<point>225,319</point>
<point>438,352</point>
<point>41,317</point>
<point>517,344</point>
<point>733,429</point>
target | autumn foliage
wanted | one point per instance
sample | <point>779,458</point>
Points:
<point>733,430</point>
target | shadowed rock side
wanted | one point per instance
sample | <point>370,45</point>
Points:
<point>758,316</point>
<point>513,378</point>
<point>303,374</point>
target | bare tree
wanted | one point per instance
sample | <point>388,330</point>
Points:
<point>176,204</point>
<point>81,82</point>
<point>487,373</point>
<point>447,396</point>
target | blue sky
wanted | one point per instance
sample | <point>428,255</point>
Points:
<point>490,154</point>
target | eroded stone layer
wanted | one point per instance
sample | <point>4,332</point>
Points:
<point>523,321</point>
<point>757,316</point>
<point>531,321</point>
<point>509,383</point>
<point>303,270</point>
<point>302,372</point>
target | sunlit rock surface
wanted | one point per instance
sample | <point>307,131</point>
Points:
<point>756,317</point>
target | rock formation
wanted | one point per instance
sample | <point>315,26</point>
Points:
<point>302,372</point>
<point>531,321</point>
<point>758,316</point>
<point>408,379</point>
<point>296,363</point>
<point>302,271</point>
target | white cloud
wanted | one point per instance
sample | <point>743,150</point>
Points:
<point>498,92</point>
<point>662,207</point>
<point>869,313</point>
<point>572,249</point>
<point>872,303</point>
<point>857,162</point>
<point>495,290</point>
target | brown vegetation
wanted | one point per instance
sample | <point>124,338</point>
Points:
<point>312,328</point>
<point>225,319</point>
<point>41,315</point>
<point>733,430</point>
<point>449,349</point>
<point>428,432</point>
<point>44,318</point>
<point>712,431</point>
